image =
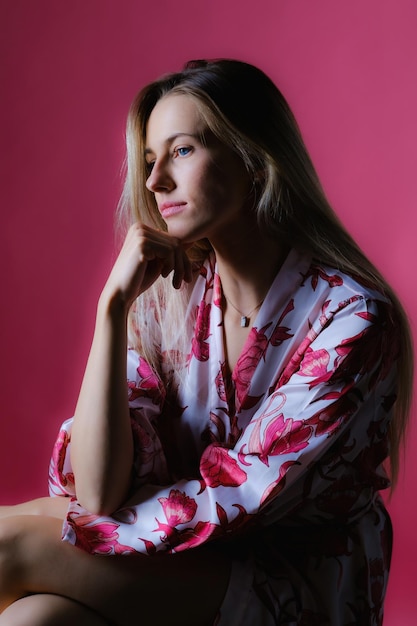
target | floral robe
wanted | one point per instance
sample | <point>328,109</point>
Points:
<point>280,463</point>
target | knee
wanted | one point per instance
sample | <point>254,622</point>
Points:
<point>16,614</point>
<point>10,559</point>
<point>9,537</point>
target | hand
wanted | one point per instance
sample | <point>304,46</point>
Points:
<point>146,254</point>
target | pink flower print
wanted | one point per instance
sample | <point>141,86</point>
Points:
<point>96,537</point>
<point>278,485</point>
<point>284,436</point>
<point>192,537</point>
<point>216,433</point>
<point>148,386</point>
<point>202,271</point>
<point>147,374</point>
<point>57,477</point>
<point>295,361</point>
<point>199,345</point>
<point>217,291</point>
<point>217,468</point>
<point>374,349</point>
<point>212,266</point>
<point>220,434</point>
<point>246,365</point>
<point>333,416</point>
<point>316,272</point>
<point>144,445</point>
<point>235,431</point>
<point>324,319</point>
<point>241,520</point>
<point>220,384</point>
<point>314,363</point>
<point>179,540</point>
<point>280,333</point>
<point>178,508</point>
<point>149,546</point>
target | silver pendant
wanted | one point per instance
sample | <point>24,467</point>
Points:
<point>244,321</point>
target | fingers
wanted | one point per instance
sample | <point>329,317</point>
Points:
<point>181,268</point>
<point>163,255</point>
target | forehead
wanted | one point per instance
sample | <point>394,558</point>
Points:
<point>173,114</point>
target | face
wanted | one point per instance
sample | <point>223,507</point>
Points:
<point>201,187</point>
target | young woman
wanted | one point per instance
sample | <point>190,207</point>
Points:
<point>235,479</point>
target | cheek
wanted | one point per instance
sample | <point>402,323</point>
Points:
<point>234,181</point>
<point>206,185</point>
<point>222,189</point>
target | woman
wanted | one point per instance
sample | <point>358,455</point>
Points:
<point>268,384</point>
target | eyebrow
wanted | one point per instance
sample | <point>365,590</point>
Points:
<point>173,137</point>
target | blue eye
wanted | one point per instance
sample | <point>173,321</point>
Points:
<point>182,151</point>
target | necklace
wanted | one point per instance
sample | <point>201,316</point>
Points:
<point>244,319</point>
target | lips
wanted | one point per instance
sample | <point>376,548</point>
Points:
<point>168,209</point>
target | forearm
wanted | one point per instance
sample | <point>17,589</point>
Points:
<point>101,443</point>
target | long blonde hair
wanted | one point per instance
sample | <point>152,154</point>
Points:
<point>245,110</point>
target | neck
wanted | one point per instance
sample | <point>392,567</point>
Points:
<point>247,267</point>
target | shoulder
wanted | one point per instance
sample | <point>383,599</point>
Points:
<point>334,291</point>
<point>318,291</point>
<point>340,304</point>
<point>324,279</point>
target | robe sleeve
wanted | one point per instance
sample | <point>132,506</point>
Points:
<point>146,394</point>
<point>341,377</point>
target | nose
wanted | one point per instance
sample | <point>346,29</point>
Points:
<point>159,179</point>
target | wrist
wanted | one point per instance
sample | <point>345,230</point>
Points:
<point>113,306</point>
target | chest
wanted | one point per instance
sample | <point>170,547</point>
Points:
<point>234,339</point>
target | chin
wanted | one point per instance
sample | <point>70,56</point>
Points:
<point>185,235</point>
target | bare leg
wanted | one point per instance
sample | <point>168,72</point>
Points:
<point>51,507</point>
<point>184,589</point>
<point>48,610</point>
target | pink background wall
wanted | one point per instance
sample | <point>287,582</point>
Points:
<point>68,74</point>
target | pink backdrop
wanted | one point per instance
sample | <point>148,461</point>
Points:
<point>69,72</point>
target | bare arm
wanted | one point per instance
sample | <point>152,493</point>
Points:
<point>102,445</point>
